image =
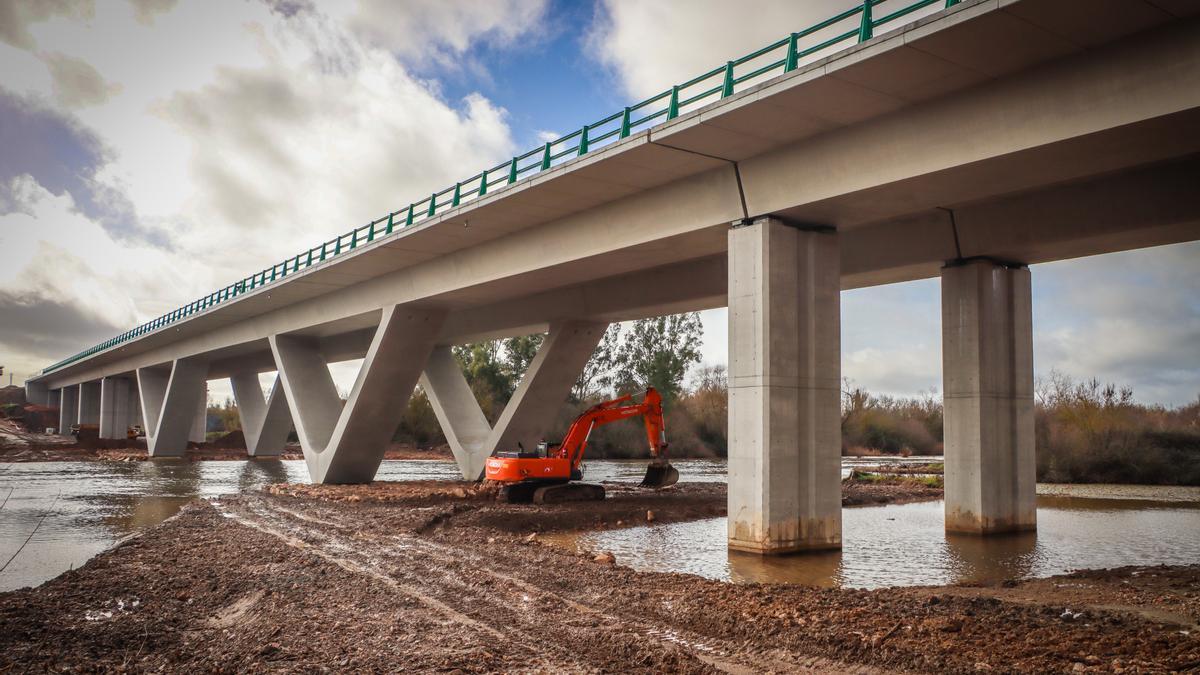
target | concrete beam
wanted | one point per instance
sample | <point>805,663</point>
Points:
<point>784,389</point>
<point>68,409</point>
<point>457,411</point>
<point>987,370</point>
<point>345,443</point>
<point>170,398</point>
<point>265,421</point>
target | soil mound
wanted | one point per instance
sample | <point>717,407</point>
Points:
<point>234,440</point>
<point>12,394</point>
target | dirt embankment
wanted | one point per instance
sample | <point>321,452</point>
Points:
<point>311,580</point>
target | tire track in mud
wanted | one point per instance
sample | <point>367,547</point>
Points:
<point>538,607</point>
<point>443,588</point>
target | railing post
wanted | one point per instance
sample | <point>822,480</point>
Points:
<point>323,245</point>
<point>432,204</point>
<point>390,224</point>
<point>483,183</point>
<point>371,231</point>
<point>727,88</point>
<point>546,157</point>
<point>512,171</point>
<point>457,195</point>
<point>865,28</point>
<point>408,220</point>
<point>951,3</point>
<point>673,105</point>
<point>583,140</point>
<point>793,54</point>
<point>337,245</point>
<point>353,238</point>
<point>625,123</point>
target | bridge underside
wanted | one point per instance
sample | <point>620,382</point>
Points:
<point>769,206</point>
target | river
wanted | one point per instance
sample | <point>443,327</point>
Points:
<point>75,510</point>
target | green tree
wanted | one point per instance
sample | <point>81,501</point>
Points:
<point>658,353</point>
<point>518,354</point>
<point>486,374</point>
<point>596,378</point>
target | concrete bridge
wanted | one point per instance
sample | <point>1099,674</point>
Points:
<point>965,145</point>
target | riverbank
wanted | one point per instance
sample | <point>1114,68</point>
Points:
<point>431,576</point>
<point>18,445</point>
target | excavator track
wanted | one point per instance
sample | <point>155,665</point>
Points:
<point>568,492</point>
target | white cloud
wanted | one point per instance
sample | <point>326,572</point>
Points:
<point>438,32</point>
<point>294,130</point>
<point>650,45</point>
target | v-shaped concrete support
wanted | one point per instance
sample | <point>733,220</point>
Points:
<point>345,443</point>
<point>531,410</point>
<point>170,398</point>
<point>265,421</point>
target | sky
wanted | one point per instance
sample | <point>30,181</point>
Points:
<point>152,151</point>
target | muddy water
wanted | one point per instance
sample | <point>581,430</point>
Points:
<point>905,545</point>
<point>74,510</point>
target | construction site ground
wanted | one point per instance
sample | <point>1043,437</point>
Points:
<point>437,576</point>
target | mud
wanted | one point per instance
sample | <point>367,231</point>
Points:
<point>422,577</point>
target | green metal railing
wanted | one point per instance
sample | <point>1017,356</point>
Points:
<point>854,25</point>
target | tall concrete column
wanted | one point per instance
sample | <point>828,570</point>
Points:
<point>784,389</point>
<point>199,430</point>
<point>533,407</point>
<point>68,409</point>
<point>265,422</point>
<point>170,397</point>
<point>344,443</point>
<point>115,415</point>
<point>89,402</point>
<point>987,370</point>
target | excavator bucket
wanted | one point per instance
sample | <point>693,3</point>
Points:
<point>660,475</point>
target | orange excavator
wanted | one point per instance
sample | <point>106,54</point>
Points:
<point>549,475</point>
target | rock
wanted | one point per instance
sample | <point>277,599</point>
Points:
<point>531,538</point>
<point>649,516</point>
<point>1078,667</point>
<point>491,540</point>
<point>460,493</point>
<point>605,558</point>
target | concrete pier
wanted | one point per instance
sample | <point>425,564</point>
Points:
<point>170,397</point>
<point>987,365</point>
<point>784,389</point>
<point>462,421</point>
<point>265,421</point>
<point>89,403</point>
<point>200,422</point>
<point>345,443</point>
<point>533,407</point>
<point>116,413</point>
<point>68,409</point>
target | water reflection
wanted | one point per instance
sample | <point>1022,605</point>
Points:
<point>906,544</point>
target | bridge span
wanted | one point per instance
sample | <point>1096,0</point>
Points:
<point>967,144</point>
